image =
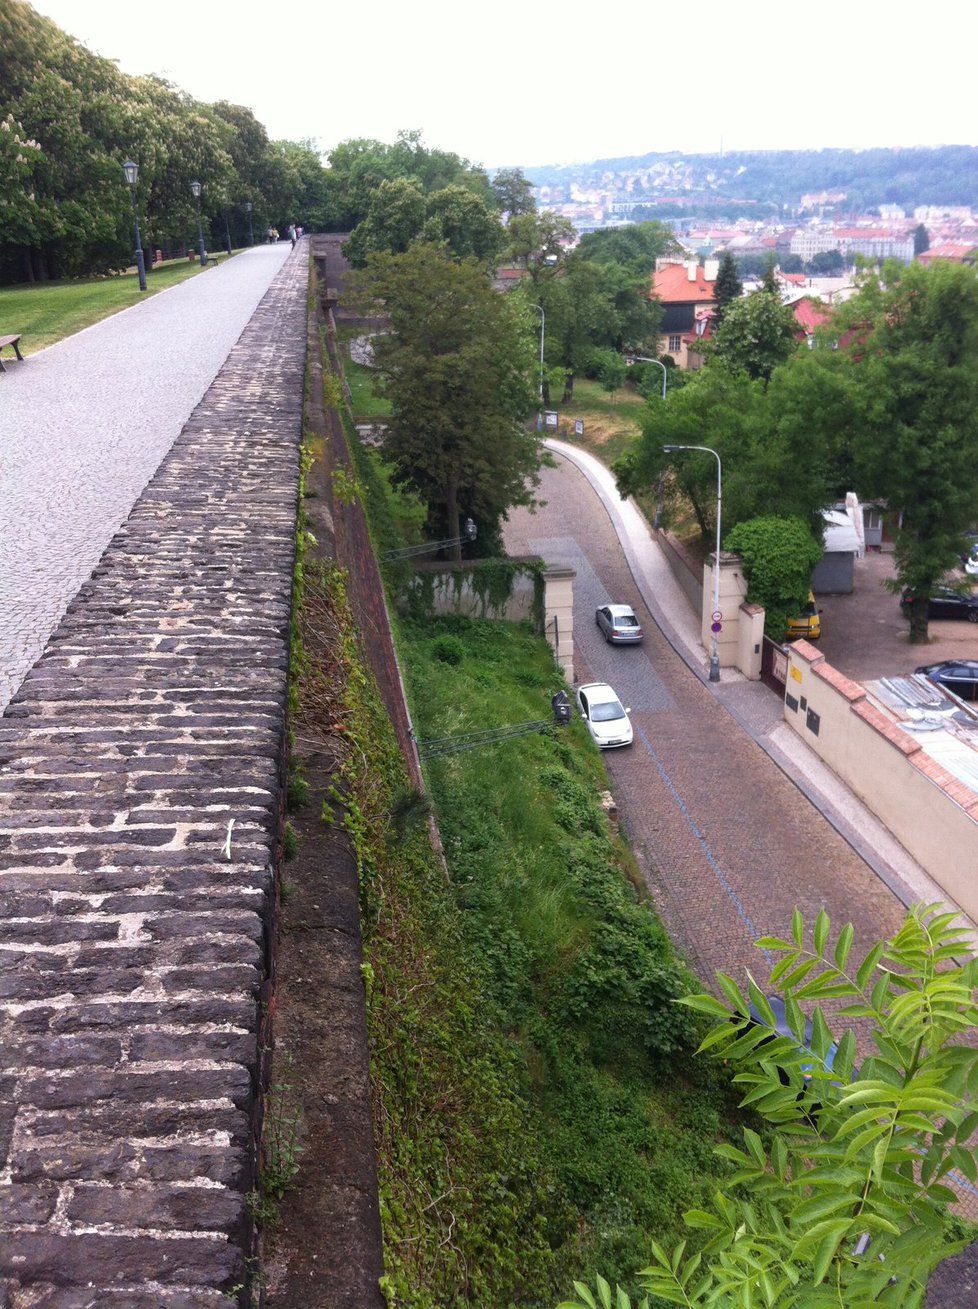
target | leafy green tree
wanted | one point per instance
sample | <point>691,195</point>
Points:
<point>636,247</point>
<point>358,167</point>
<point>611,371</point>
<point>459,368</point>
<point>769,278</point>
<point>727,406</point>
<point>921,239</point>
<point>843,1203</point>
<point>757,334</point>
<point>727,289</point>
<point>464,222</point>
<point>778,555</point>
<point>393,222</point>
<point>910,369</point>
<point>825,263</point>
<point>513,192</point>
<point>400,213</point>
<point>538,242</point>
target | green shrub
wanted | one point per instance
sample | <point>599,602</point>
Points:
<point>449,649</point>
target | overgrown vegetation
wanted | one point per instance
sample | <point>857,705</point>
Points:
<point>579,972</point>
<point>536,1107</point>
<point>845,1205</point>
<point>778,555</point>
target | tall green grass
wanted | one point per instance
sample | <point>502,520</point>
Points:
<point>581,976</point>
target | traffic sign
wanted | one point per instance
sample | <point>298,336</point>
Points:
<point>716,627</point>
<point>717,615</point>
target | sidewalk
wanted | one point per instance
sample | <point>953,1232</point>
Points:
<point>85,425</point>
<point>751,704</point>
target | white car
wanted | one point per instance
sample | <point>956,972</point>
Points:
<point>971,563</point>
<point>606,720</point>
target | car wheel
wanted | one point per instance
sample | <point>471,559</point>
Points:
<point>973,615</point>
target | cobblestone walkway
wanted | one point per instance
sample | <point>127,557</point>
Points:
<point>83,427</point>
<point>730,845</point>
<point>132,936</point>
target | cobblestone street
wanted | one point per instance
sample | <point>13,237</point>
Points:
<point>727,842</point>
<point>85,424</point>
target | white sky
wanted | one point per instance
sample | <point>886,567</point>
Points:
<point>522,82</point>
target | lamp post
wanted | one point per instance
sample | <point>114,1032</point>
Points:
<point>543,333</point>
<point>202,253</point>
<point>714,654</point>
<point>251,233</point>
<point>227,229</point>
<point>644,359</point>
<point>131,171</point>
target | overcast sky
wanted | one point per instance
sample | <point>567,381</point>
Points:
<point>521,82</point>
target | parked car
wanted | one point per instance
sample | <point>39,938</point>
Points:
<point>957,675</point>
<point>783,1028</point>
<point>606,720</point>
<point>808,623</point>
<point>619,624</point>
<point>944,603</point>
<point>971,561</point>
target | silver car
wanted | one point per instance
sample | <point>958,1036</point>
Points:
<point>619,624</point>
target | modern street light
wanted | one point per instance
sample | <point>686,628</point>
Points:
<point>543,333</point>
<point>202,253</point>
<point>131,171</point>
<point>644,359</point>
<point>227,229</point>
<point>714,654</point>
<point>251,232</point>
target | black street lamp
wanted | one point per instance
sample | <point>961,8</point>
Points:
<point>251,234</point>
<point>227,230</point>
<point>195,187</point>
<point>131,171</point>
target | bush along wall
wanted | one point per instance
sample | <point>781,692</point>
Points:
<point>484,588</point>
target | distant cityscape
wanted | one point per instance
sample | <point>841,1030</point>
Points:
<point>752,206</point>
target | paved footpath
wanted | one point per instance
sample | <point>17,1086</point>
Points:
<point>140,823</point>
<point>83,427</point>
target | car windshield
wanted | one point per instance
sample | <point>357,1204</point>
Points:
<point>606,712</point>
<point>626,620</point>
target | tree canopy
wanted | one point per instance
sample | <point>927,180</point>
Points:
<point>756,335</point>
<point>457,365</point>
<point>72,118</point>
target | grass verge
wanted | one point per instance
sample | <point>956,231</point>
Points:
<point>364,383</point>
<point>47,313</point>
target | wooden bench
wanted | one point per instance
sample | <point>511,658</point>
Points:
<point>15,342</point>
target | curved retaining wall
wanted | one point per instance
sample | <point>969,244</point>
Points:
<point>134,950</point>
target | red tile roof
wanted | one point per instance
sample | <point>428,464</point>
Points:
<point>671,285</point>
<point>952,250</point>
<point>810,313</point>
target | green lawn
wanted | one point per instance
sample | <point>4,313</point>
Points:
<point>364,383</point>
<point>48,312</point>
<point>611,422</point>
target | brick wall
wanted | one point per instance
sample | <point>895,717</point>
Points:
<point>133,952</point>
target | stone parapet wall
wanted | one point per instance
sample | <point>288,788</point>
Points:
<point>135,937</point>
